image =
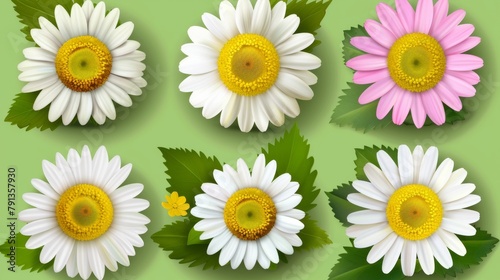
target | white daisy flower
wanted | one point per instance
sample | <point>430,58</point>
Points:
<point>413,210</point>
<point>249,216</point>
<point>82,217</point>
<point>249,64</point>
<point>83,65</point>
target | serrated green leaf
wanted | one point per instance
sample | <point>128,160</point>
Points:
<point>360,117</point>
<point>25,258</point>
<point>353,265</point>
<point>174,238</point>
<point>478,247</point>
<point>291,153</point>
<point>340,205</point>
<point>312,235</point>
<point>194,238</point>
<point>363,117</point>
<point>369,154</point>
<point>21,113</point>
<point>188,170</point>
<point>28,12</point>
<point>311,13</point>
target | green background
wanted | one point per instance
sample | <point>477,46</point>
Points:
<point>163,117</point>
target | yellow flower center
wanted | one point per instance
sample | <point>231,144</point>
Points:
<point>416,62</point>
<point>414,212</point>
<point>248,64</point>
<point>84,212</point>
<point>83,63</point>
<point>250,214</point>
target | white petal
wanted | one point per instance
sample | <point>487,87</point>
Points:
<point>405,165</point>
<point>45,188</point>
<point>262,258</point>
<point>261,18</point>
<point>428,166</point>
<point>463,215</point>
<point>227,15</point>
<point>218,242</point>
<point>50,250</point>
<point>457,177</point>
<point>240,254</point>
<point>373,236</point>
<point>59,105</point>
<point>244,12</point>
<point>283,29</point>
<point>442,175</point>
<point>118,95</point>
<point>381,248</point>
<point>296,43</point>
<point>71,265</point>
<point>73,105</point>
<point>200,35</point>
<point>120,35</point>
<point>226,179</point>
<point>215,191</point>
<point>269,249</point>
<point>288,105</point>
<point>40,239</point>
<point>457,227</point>
<point>251,255</point>
<point>366,217</point>
<point>369,190</point>
<point>82,261</point>
<point>216,27</point>
<point>95,262</point>
<point>104,102</point>
<point>33,214</point>
<point>47,26</point>
<point>288,225</point>
<point>203,213</point>
<point>452,242</point>
<point>114,249</point>
<point>228,250</point>
<point>39,54</point>
<point>64,253</point>
<point>195,65</point>
<point>409,257</point>
<point>294,86</point>
<point>289,190</point>
<point>377,178</point>
<point>389,168</point>
<point>440,251</point>
<point>300,61</point>
<point>289,203</point>
<point>208,202</point>
<point>465,202</point>
<point>425,256</point>
<point>97,18</point>
<point>125,193</point>
<point>63,22</point>
<point>392,255</point>
<point>40,201</point>
<point>39,226</point>
<point>48,95</point>
<point>280,242</point>
<point>278,185</point>
<point>78,21</point>
<point>108,25</point>
<point>455,193</point>
<point>196,82</point>
<point>128,47</point>
<point>366,202</point>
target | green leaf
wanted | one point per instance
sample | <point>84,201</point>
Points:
<point>194,238</point>
<point>360,117</point>
<point>28,12</point>
<point>478,247</point>
<point>291,153</point>
<point>369,154</point>
<point>174,238</point>
<point>312,235</point>
<point>340,205</point>
<point>311,13</point>
<point>188,170</point>
<point>21,113</point>
<point>25,258</point>
<point>353,265</point>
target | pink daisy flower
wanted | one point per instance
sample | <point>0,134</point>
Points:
<point>415,61</point>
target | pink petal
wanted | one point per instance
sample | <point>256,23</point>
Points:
<point>464,46</point>
<point>448,97</point>
<point>457,36</point>
<point>440,14</point>
<point>406,14</point>
<point>376,91</point>
<point>423,16</point>
<point>448,24</point>
<point>390,20</point>
<point>402,107</point>
<point>463,62</point>
<point>433,106</point>
<point>387,102</point>
<point>369,45</point>
<point>458,86</point>
<point>379,33</point>
<point>470,77</point>
<point>370,77</point>
<point>418,111</point>
<point>367,62</point>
